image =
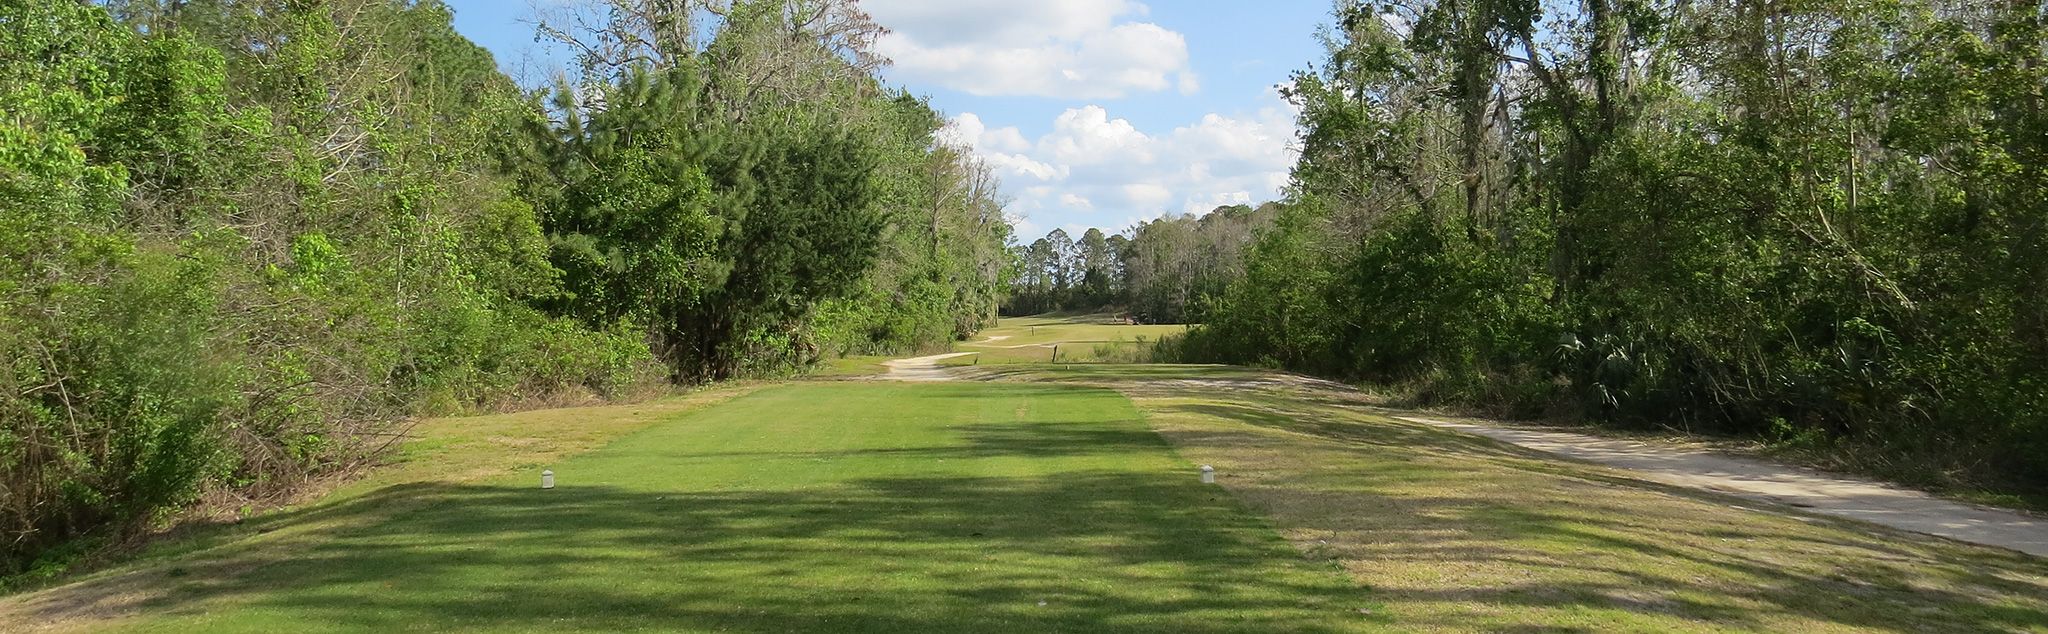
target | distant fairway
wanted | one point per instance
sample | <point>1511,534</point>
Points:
<point>847,507</point>
<point>1048,329</point>
<point>1077,338</point>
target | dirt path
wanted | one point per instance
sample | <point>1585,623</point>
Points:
<point>1756,479</point>
<point>920,368</point>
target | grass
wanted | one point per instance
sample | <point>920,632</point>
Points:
<point>1092,338</point>
<point>1073,338</point>
<point>1455,532</point>
<point>833,506</point>
<point>859,506</point>
<point>444,451</point>
<point>1044,329</point>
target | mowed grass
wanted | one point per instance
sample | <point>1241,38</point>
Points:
<point>455,451</point>
<point>1460,533</point>
<point>1049,329</point>
<point>857,506</point>
<point>1078,339</point>
<point>1095,338</point>
<point>819,507</point>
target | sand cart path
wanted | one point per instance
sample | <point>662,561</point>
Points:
<point>1817,492</point>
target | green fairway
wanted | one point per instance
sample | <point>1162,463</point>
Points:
<point>1052,338</point>
<point>1033,497</point>
<point>1459,533</point>
<point>1070,328</point>
<point>1050,329</point>
<point>820,507</point>
<point>1097,338</point>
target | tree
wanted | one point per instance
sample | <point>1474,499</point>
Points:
<point>1775,220</point>
<point>1094,258</point>
<point>253,239</point>
<point>246,240</point>
<point>1163,271</point>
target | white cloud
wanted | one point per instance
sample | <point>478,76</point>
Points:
<point>1147,195</point>
<point>1086,135</point>
<point>963,131</point>
<point>968,131</point>
<point>1095,166</point>
<point>1005,140</point>
<point>1003,148</point>
<point>1075,49</point>
<point>1005,23</point>
<point>1020,165</point>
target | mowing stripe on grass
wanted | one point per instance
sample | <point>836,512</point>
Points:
<point>851,507</point>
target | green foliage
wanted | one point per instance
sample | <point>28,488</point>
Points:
<point>634,230</point>
<point>245,241</point>
<point>1168,270</point>
<point>240,247</point>
<point>1817,223</point>
<point>756,234</point>
<point>938,276</point>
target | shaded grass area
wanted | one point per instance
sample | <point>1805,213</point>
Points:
<point>449,449</point>
<point>1455,532</point>
<point>442,451</point>
<point>861,507</point>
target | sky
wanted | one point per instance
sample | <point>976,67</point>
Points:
<point>1094,113</point>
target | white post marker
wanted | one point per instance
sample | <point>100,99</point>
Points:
<point>547,479</point>
<point>1208,474</point>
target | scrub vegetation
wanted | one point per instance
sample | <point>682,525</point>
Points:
<point>243,242</point>
<point>1815,224</point>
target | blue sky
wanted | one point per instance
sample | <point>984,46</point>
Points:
<point>1095,113</point>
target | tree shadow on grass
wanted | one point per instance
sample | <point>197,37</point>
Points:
<point>983,440</point>
<point>1110,374</point>
<point>1102,551</point>
<point>1536,542</point>
<point>1269,412</point>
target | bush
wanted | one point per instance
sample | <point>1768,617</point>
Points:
<point>175,321</point>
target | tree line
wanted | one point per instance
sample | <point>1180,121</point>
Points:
<point>242,241</point>
<point>1819,223</point>
<point>1167,270</point>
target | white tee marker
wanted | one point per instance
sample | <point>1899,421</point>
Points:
<point>1208,474</point>
<point>547,479</point>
